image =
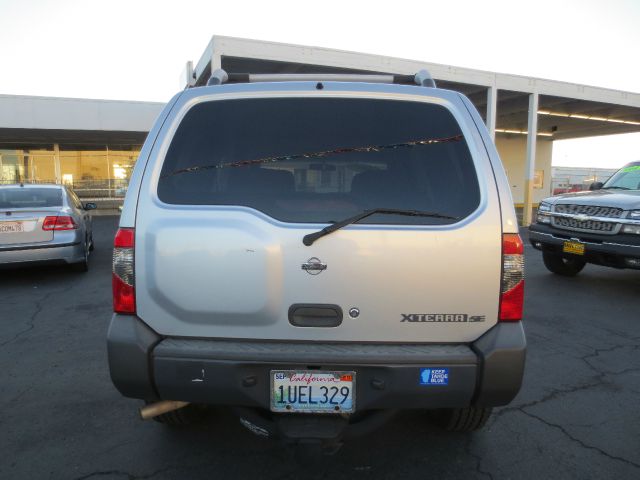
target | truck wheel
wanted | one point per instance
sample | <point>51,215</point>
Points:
<point>566,266</point>
<point>468,419</point>
<point>183,416</point>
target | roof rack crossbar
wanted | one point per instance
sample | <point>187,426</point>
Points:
<point>422,78</point>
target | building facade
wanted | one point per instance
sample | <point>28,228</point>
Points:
<point>83,166</point>
<point>92,145</point>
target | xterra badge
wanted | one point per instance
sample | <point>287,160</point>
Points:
<point>441,318</point>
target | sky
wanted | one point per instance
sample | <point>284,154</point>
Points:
<point>136,49</point>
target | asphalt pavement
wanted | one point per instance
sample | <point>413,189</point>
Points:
<point>577,416</point>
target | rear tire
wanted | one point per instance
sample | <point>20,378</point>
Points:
<point>566,266</point>
<point>82,266</point>
<point>468,419</point>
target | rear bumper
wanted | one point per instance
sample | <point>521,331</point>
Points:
<point>609,250</point>
<point>42,254</point>
<point>145,365</point>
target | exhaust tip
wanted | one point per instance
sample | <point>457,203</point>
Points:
<point>154,409</point>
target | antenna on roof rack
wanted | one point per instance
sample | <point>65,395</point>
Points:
<point>422,78</point>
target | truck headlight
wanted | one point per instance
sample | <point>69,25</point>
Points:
<point>632,215</point>
<point>543,212</point>
<point>546,207</point>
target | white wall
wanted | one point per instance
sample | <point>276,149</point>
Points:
<point>513,152</point>
<point>17,111</point>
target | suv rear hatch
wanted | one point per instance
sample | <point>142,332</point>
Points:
<point>223,211</point>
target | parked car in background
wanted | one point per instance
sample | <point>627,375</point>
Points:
<point>599,226</point>
<point>44,224</point>
<point>318,254</point>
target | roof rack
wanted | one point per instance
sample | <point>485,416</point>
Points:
<point>422,78</point>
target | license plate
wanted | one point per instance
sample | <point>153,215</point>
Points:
<point>311,391</point>
<point>576,248</point>
<point>11,227</point>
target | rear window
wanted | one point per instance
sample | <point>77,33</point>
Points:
<point>30,197</point>
<point>320,160</point>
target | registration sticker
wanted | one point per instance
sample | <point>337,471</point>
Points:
<point>576,248</point>
<point>434,376</point>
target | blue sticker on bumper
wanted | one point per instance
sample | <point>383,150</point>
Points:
<point>434,376</point>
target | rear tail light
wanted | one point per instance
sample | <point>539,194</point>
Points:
<point>122,279</point>
<point>59,222</point>
<point>512,288</point>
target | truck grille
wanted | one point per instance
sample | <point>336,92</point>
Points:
<point>587,225</point>
<point>583,226</point>
<point>591,210</point>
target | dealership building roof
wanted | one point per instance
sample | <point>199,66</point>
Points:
<point>42,120</point>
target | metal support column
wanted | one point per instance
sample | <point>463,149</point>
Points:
<point>216,59</point>
<point>108,174</point>
<point>492,105</point>
<point>56,163</point>
<point>530,169</point>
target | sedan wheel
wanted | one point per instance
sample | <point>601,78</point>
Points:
<point>82,266</point>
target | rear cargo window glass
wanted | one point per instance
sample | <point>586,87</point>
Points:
<point>320,160</point>
<point>30,197</point>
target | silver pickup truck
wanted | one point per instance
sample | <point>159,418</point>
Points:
<point>599,226</point>
<point>318,252</point>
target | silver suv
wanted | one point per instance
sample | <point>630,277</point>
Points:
<point>317,252</point>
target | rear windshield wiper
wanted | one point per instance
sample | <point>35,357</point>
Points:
<point>312,237</point>
<point>613,186</point>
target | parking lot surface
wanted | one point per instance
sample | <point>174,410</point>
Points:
<point>577,416</point>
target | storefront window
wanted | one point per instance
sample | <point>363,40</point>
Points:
<point>33,165</point>
<point>121,162</point>
<point>98,171</point>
